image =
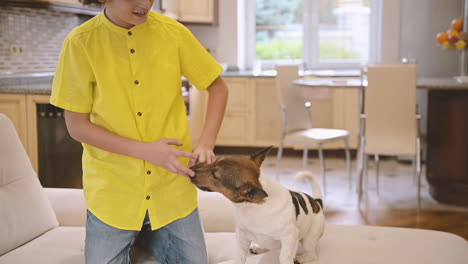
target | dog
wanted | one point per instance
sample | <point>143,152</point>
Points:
<point>268,216</point>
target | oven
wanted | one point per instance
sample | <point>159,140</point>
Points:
<point>59,154</point>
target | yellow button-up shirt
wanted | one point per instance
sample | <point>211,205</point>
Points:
<point>130,83</point>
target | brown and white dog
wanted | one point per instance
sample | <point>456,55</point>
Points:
<point>268,216</point>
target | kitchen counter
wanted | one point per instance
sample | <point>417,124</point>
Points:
<point>33,83</point>
<point>355,82</point>
<point>41,83</point>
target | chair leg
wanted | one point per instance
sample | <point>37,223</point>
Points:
<point>322,168</point>
<point>365,160</point>
<point>360,162</point>
<point>418,172</point>
<point>348,164</point>
<point>278,160</point>
<point>377,173</point>
<point>360,187</point>
<point>305,157</point>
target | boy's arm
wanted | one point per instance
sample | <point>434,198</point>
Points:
<point>217,98</point>
<point>158,152</point>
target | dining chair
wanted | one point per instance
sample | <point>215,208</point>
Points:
<point>297,122</point>
<point>389,123</point>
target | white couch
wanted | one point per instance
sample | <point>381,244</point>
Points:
<point>46,225</point>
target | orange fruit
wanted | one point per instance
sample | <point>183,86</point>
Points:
<point>457,25</point>
<point>441,37</point>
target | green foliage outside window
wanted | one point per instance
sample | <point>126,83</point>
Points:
<point>280,49</point>
<point>332,50</point>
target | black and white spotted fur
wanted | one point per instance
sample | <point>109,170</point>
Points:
<point>285,220</point>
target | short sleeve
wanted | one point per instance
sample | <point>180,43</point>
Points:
<point>197,65</point>
<point>73,83</point>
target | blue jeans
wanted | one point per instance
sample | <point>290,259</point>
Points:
<point>180,242</point>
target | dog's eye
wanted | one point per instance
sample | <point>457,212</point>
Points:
<point>214,175</point>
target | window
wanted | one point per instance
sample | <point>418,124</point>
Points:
<point>317,33</point>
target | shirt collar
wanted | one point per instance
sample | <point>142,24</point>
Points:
<point>103,19</point>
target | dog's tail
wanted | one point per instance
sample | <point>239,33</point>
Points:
<point>301,175</point>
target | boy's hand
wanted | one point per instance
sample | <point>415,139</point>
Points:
<point>205,155</point>
<point>160,153</point>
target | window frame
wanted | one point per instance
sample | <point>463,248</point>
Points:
<point>310,58</point>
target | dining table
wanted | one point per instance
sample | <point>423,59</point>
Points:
<point>446,143</point>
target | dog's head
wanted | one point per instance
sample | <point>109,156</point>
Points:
<point>237,178</point>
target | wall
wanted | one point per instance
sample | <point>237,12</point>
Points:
<point>222,39</point>
<point>39,33</point>
<point>420,21</point>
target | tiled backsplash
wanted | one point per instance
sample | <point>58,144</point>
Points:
<point>31,39</point>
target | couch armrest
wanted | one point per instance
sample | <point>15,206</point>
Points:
<point>69,205</point>
<point>216,211</point>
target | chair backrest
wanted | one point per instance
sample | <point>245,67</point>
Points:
<point>390,109</point>
<point>297,116</point>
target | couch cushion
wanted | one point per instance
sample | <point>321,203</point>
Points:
<point>216,211</point>
<point>25,212</point>
<point>340,244</point>
<point>59,245</point>
<point>390,245</point>
<point>369,245</point>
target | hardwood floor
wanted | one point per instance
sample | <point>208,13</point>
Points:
<point>452,222</point>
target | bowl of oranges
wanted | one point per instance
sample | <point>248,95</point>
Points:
<point>454,38</point>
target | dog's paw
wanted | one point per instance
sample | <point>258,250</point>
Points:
<point>256,249</point>
<point>306,259</point>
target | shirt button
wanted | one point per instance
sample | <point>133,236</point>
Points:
<point>148,197</point>
<point>130,33</point>
<point>148,172</point>
<point>132,51</point>
<point>139,114</point>
<point>136,82</point>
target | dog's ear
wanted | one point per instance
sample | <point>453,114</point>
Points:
<point>260,156</point>
<point>252,193</point>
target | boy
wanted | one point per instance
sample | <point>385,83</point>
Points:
<point>119,81</point>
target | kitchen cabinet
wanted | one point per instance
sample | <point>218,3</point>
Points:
<point>21,109</point>
<point>197,11</point>
<point>70,6</point>
<point>267,113</point>
<point>14,107</point>
<point>169,8</point>
<point>253,115</point>
<point>236,127</point>
<point>237,123</point>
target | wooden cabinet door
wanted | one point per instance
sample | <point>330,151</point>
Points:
<point>198,11</point>
<point>170,8</point>
<point>268,123</point>
<point>14,107</point>
<point>237,123</point>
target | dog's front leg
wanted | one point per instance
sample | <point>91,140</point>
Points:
<point>289,244</point>
<point>243,244</point>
